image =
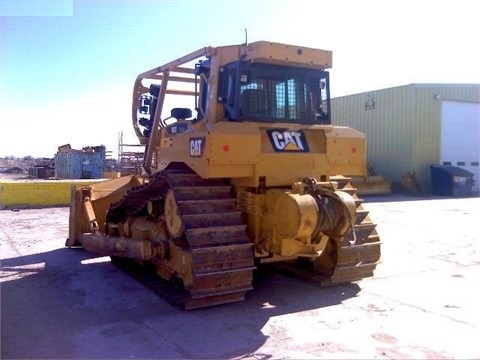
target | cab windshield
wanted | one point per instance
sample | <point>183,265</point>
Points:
<point>274,93</point>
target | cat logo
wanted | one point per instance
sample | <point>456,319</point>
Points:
<point>196,146</point>
<point>288,140</point>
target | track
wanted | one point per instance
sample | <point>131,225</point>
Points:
<point>212,233</point>
<point>358,255</point>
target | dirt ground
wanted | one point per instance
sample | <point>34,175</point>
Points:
<point>61,303</point>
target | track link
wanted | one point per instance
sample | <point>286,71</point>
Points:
<point>213,234</point>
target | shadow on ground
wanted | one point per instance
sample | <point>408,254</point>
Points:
<point>67,303</point>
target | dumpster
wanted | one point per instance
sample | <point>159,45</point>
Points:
<point>451,180</point>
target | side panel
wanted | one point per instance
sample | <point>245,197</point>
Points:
<point>278,154</point>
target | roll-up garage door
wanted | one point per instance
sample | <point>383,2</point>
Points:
<point>460,138</point>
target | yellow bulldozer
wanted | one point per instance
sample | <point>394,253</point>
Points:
<point>257,175</point>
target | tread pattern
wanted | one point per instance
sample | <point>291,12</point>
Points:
<point>214,236</point>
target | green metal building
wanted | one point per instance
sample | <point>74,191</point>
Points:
<point>410,127</point>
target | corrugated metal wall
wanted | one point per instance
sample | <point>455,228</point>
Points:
<point>79,165</point>
<point>402,125</point>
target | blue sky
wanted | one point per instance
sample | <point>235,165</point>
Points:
<point>67,68</point>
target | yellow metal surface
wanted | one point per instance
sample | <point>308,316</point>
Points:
<point>215,148</point>
<point>118,246</point>
<point>297,216</point>
<point>38,193</point>
<point>372,185</point>
<point>260,51</point>
<point>289,54</point>
<point>172,216</point>
<point>291,223</point>
<point>111,174</point>
<point>222,153</point>
<point>100,196</point>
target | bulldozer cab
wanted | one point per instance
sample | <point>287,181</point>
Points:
<point>261,82</point>
<point>253,92</point>
<point>254,89</point>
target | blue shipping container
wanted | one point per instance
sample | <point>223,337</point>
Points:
<point>79,165</point>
